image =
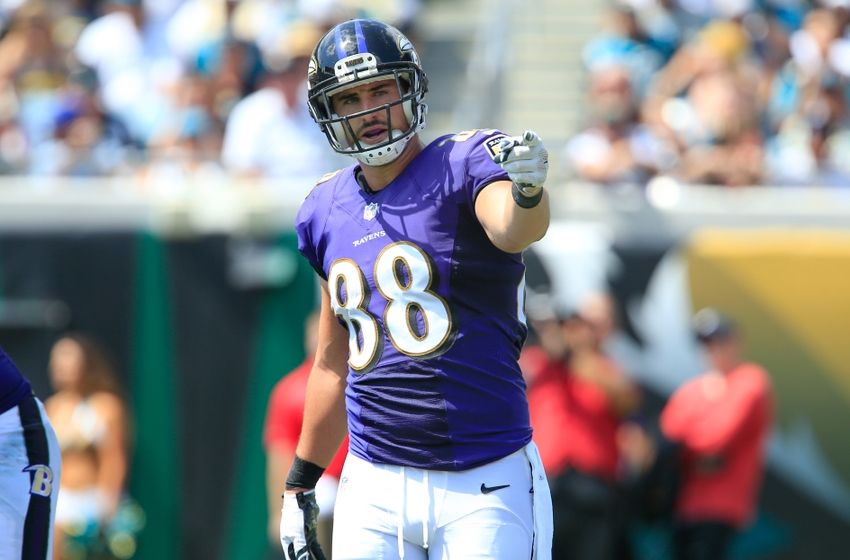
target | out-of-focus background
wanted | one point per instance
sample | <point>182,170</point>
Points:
<point>154,152</point>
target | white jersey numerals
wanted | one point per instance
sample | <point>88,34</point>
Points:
<point>348,293</point>
<point>403,277</point>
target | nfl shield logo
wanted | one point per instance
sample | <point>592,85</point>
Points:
<point>370,211</point>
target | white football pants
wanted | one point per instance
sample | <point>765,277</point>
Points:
<point>498,511</point>
<point>29,482</point>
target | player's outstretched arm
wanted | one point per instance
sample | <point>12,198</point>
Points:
<point>322,432</point>
<point>515,213</point>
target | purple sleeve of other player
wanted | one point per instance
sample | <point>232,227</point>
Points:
<point>13,385</point>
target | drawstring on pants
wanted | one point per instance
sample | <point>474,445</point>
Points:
<point>425,517</point>
<point>427,513</point>
<point>400,528</point>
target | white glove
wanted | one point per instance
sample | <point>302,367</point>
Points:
<point>298,526</point>
<point>526,161</point>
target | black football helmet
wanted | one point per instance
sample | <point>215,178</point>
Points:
<point>357,52</point>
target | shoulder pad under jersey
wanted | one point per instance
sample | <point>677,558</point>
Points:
<point>328,176</point>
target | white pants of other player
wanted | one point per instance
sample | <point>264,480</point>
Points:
<point>23,481</point>
<point>498,511</point>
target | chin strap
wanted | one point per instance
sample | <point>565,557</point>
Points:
<point>389,153</point>
<point>384,154</point>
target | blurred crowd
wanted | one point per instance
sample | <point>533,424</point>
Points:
<point>720,92</point>
<point>169,89</point>
<point>725,92</point>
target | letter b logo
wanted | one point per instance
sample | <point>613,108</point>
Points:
<point>42,480</point>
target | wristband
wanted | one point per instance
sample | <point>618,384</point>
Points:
<point>523,200</point>
<point>303,474</point>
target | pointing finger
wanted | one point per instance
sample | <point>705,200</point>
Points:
<point>530,138</point>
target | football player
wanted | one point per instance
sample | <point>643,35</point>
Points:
<point>29,469</point>
<point>419,250</point>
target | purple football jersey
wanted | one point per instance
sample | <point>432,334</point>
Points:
<point>433,309</point>
<point>13,385</point>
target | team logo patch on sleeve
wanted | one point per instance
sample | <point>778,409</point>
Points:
<point>493,145</point>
